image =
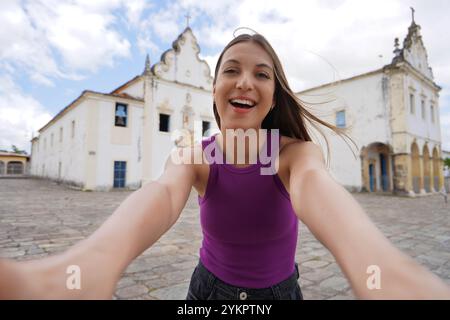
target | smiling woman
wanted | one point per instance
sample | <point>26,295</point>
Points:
<point>249,220</point>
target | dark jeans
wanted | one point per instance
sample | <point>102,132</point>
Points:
<point>206,286</point>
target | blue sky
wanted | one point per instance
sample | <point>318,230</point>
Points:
<point>52,50</point>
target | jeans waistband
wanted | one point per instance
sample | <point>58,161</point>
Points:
<point>284,285</point>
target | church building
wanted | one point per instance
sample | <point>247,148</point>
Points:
<point>392,114</point>
<point>122,139</point>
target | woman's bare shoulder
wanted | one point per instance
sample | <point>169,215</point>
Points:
<point>300,152</point>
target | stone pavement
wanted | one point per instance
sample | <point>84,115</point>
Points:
<point>39,217</point>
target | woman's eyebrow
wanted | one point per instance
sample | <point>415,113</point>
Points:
<point>264,65</point>
<point>258,65</point>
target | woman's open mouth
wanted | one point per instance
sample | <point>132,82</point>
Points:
<point>242,105</point>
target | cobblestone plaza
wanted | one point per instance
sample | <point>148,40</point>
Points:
<point>40,217</point>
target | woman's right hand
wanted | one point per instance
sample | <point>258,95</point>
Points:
<point>68,275</point>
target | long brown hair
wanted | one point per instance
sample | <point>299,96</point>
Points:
<point>289,113</point>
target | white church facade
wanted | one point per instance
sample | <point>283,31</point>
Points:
<point>392,114</point>
<point>121,139</point>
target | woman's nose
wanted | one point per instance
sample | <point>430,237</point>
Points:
<point>244,82</point>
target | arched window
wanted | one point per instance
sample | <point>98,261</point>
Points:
<point>2,168</point>
<point>15,167</point>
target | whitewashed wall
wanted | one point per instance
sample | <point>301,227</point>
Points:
<point>422,128</point>
<point>118,144</point>
<point>364,100</point>
<point>135,89</point>
<point>70,152</point>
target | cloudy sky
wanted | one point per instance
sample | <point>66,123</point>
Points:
<point>51,50</point>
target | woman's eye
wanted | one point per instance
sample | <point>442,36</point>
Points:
<point>229,71</point>
<point>263,75</point>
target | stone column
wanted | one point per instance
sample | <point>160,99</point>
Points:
<point>402,174</point>
<point>431,171</point>
<point>147,130</point>
<point>365,173</point>
<point>441,173</point>
<point>421,180</point>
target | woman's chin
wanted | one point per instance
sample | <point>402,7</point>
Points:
<point>245,125</point>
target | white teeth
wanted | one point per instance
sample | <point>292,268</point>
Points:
<point>241,101</point>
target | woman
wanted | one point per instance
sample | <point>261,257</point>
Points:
<point>249,220</point>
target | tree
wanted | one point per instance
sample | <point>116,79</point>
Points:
<point>16,150</point>
<point>447,163</point>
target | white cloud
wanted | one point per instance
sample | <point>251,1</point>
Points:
<point>134,10</point>
<point>20,116</point>
<point>61,39</point>
<point>84,35</point>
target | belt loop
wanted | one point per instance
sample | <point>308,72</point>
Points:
<point>276,292</point>
<point>211,280</point>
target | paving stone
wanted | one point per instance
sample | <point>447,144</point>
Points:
<point>125,282</point>
<point>176,292</point>
<point>131,291</point>
<point>11,254</point>
<point>178,276</point>
<point>315,264</point>
<point>317,275</point>
<point>335,283</point>
<point>162,250</point>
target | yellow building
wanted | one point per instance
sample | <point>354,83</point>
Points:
<point>13,163</point>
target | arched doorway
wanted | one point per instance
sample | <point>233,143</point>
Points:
<point>2,168</point>
<point>15,167</point>
<point>415,163</point>
<point>376,164</point>
<point>426,169</point>
<point>436,169</point>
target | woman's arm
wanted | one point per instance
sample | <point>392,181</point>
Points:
<point>134,226</point>
<point>341,225</point>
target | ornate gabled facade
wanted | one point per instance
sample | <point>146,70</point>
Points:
<point>182,63</point>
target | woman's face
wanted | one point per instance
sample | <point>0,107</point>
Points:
<point>245,85</point>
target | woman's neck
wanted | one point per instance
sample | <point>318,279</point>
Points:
<point>241,147</point>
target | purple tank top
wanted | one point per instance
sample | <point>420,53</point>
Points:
<point>248,223</point>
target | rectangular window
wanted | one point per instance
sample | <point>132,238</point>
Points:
<point>120,169</point>
<point>205,127</point>
<point>51,140</point>
<point>164,122</point>
<point>412,107</point>
<point>422,105</point>
<point>72,134</point>
<point>340,119</point>
<point>121,115</point>
<point>60,134</point>
<point>432,113</point>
